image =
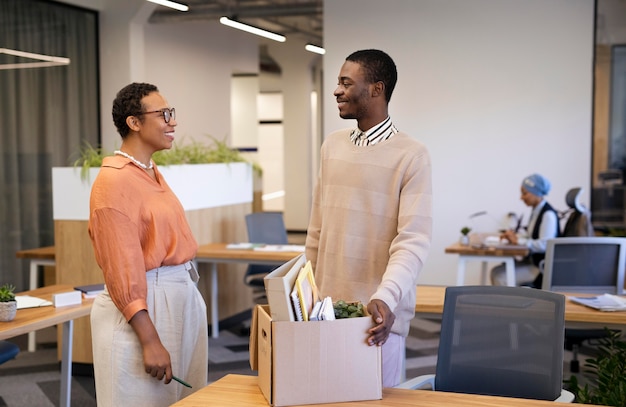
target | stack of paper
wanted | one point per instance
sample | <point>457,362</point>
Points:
<point>604,302</point>
<point>27,301</point>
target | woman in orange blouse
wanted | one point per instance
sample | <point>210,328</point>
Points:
<point>150,324</point>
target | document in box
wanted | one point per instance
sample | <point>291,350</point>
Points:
<point>278,286</point>
<point>604,302</point>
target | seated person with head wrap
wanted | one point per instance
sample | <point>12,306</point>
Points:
<point>543,225</point>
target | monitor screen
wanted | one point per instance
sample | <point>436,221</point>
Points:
<point>585,267</point>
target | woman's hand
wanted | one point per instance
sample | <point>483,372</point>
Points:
<point>156,359</point>
<point>384,318</point>
<point>509,235</point>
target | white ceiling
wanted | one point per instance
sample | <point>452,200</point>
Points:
<point>302,18</point>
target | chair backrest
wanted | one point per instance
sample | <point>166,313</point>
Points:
<point>504,341</point>
<point>8,351</point>
<point>579,219</point>
<point>585,265</point>
<point>266,227</point>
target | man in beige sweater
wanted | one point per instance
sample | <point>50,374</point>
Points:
<point>371,221</point>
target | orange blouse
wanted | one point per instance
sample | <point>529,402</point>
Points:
<point>135,224</point>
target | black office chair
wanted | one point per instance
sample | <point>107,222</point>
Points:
<point>268,228</point>
<point>577,223</point>
<point>8,351</point>
<point>500,341</point>
<point>584,265</point>
<point>578,216</point>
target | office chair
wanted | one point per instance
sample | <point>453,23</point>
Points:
<point>268,228</point>
<point>577,223</point>
<point>500,341</point>
<point>584,265</point>
<point>8,351</point>
<point>578,216</point>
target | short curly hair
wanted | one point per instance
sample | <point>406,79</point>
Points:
<point>378,66</point>
<point>128,103</point>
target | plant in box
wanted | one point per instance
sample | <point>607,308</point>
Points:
<point>8,304</point>
<point>348,309</point>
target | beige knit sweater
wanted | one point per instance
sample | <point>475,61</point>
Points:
<point>371,222</point>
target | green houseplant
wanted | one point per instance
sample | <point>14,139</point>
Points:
<point>193,152</point>
<point>465,235</point>
<point>605,382</point>
<point>8,304</point>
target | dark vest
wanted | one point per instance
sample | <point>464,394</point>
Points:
<point>537,257</point>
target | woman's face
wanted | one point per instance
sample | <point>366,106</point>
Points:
<point>529,198</point>
<point>154,130</point>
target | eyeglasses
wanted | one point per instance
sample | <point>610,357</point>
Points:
<point>168,114</point>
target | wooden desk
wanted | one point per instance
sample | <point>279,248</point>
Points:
<point>238,390</point>
<point>32,319</point>
<point>215,253</point>
<point>504,253</point>
<point>430,303</point>
<point>42,256</point>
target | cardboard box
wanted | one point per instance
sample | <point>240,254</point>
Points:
<point>314,362</point>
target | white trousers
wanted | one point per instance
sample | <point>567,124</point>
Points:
<point>393,353</point>
<point>178,313</point>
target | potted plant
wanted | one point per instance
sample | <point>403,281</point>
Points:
<point>603,376</point>
<point>8,304</point>
<point>201,175</point>
<point>465,235</point>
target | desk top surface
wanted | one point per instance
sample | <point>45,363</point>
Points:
<point>217,251</point>
<point>430,301</point>
<point>38,253</point>
<point>503,250</point>
<point>239,390</point>
<point>32,319</point>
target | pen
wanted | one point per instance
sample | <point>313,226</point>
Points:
<point>184,383</point>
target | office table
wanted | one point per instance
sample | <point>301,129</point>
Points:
<point>215,253</point>
<point>41,256</point>
<point>430,300</point>
<point>484,254</point>
<point>240,390</point>
<point>32,319</point>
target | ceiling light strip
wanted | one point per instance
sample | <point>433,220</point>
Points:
<point>171,4</point>
<point>41,57</point>
<point>315,48</point>
<point>252,30</point>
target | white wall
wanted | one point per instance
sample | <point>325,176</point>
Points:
<point>497,89</point>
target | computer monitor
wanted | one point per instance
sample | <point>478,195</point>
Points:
<point>585,265</point>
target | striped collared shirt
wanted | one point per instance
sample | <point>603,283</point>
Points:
<point>376,134</point>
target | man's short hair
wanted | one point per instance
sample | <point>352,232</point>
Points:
<point>378,66</point>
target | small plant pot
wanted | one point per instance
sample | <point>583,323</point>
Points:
<point>464,240</point>
<point>7,311</point>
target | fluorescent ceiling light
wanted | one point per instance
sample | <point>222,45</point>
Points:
<point>43,60</point>
<point>171,4</point>
<point>315,48</point>
<point>252,30</point>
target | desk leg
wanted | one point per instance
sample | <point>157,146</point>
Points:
<point>510,272</point>
<point>66,364</point>
<point>483,272</point>
<point>34,266</point>
<point>215,318</point>
<point>460,273</point>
